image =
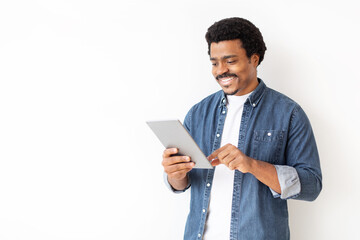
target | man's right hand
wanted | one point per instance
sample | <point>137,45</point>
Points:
<point>176,167</point>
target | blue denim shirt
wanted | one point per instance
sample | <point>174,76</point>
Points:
<point>273,129</point>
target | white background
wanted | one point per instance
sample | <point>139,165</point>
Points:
<point>78,80</point>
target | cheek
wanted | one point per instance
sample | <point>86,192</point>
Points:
<point>213,71</point>
<point>240,71</point>
<point>236,69</point>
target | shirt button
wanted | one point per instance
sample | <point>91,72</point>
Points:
<point>204,210</point>
<point>269,134</point>
<point>199,235</point>
<point>224,100</point>
<point>224,112</point>
<point>218,135</point>
<point>208,185</point>
<point>254,104</point>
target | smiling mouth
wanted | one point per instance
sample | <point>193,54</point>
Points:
<point>226,81</point>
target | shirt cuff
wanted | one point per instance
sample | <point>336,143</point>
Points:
<point>289,182</point>
<point>173,189</point>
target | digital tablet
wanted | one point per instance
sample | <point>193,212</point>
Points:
<point>172,134</point>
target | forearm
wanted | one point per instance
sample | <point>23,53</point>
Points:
<point>178,184</point>
<point>265,173</point>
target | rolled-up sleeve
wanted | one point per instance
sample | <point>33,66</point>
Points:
<point>302,154</point>
<point>289,182</point>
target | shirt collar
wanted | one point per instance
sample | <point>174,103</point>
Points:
<point>254,97</point>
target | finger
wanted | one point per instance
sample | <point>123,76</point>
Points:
<point>224,155</point>
<point>216,152</point>
<point>227,156</point>
<point>224,149</point>
<point>213,155</point>
<point>169,151</point>
<point>179,167</point>
<point>179,174</point>
<point>175,160</point>
<point>215,162</point>
<point>233,165</point>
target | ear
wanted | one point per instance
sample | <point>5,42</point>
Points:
<point>255,60</point>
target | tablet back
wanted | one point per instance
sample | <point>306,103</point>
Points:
<point>172,134</point>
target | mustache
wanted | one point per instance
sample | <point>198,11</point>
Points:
<point>225,75</point>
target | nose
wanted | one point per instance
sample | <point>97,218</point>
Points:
<point>221,69</point>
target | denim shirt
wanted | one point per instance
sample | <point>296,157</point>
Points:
<point>273,129</point>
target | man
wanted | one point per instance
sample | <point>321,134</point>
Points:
<point>260,141</point>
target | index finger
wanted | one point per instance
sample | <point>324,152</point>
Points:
<point>170,151</point>
<point>215,153</point>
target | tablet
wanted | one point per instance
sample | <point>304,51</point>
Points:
<point>172,134</point>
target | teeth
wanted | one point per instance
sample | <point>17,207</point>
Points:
<point>227,79</point>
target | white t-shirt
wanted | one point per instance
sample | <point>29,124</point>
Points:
<point>219,214</point>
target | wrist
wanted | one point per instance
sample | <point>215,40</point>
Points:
<point>251,165</point>
<point>178,184</point>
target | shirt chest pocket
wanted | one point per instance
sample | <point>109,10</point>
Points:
<point>267,145</point>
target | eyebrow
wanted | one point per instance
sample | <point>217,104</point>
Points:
<point>224,57</point>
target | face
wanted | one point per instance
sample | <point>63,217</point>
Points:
<point>232,69</point>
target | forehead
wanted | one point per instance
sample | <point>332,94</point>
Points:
<point>228,47</point>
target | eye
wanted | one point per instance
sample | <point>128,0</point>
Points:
<point>214,64</point>
<point>231,62</point>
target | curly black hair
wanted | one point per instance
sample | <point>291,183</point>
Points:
<point>238,28</point>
